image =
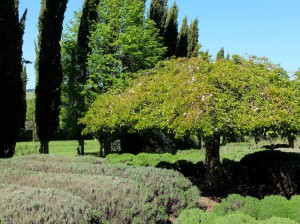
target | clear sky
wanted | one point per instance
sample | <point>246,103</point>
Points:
<point>266,28</point>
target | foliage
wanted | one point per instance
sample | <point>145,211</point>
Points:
<point>168,189</point>
<point>136,45</point>
<point>196,216</point>
<point>234,202</point>
<point>197,97</point>
<point>158,13</point>
<point>73,102</point>
<point>42,206</point>
<point>193,35</point>
<point>220,54</point>
<point>182,44</point>
<point>277,170</point>
<point>49,76</point>
<point>263,209</point>
<point>171,31</point>
<point>11,86</point>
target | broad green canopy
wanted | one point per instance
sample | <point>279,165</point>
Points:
<point>191,96</point>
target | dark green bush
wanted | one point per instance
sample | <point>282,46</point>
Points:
<point>236,217</point>
<point>235,202</point>
<point>279,171</point>
<point>277,220</point>
<point>35,205</point>
<point>196,216</point>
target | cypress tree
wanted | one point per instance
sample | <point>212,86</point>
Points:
<point>49,68</point>
<point>193,36</point>
<point>181,50</point>
<point>89,14</point>
<point>171,31</point>
<point>158,13</point>
<point>11,40</point>
<point>220,54</point>
<point>22,117</point>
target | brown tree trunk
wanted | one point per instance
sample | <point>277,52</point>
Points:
<point>81,145</point>
<point>107,146</point>
<point>212,162</point>
<point>44,149</point>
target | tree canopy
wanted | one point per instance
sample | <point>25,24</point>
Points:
<point>194,96</point>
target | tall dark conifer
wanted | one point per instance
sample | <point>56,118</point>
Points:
<point>193,35</point>
<point>220,54</point>
<point>49,77</point>
<point>23,106</point>
<point>89,14</point>
<point>11,40</point>
<point>171,31</point>
<point>181,50</point>
<point>158,13</point>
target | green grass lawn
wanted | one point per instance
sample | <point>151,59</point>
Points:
<point>58,148</point>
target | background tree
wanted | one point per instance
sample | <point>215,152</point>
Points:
<point>182,44</point>
<point>49,77</point>
<point>193,36</point>
<point>123,41</point>
<point>158,13</point>
<point>171,31</point>
<point>220,54</point>
<point>11,40</point>
<point>23,106</point>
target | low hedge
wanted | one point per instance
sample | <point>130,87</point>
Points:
<point>35,205</point>
<point>118,200</point>
<point>279,171</point>
<point>170,189</point>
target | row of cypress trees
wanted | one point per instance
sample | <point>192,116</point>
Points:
<point>179,44</point>
<point>12,113</point>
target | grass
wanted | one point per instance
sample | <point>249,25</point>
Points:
<point>66,148</point>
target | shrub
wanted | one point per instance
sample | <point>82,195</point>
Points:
<point>34,205</point>
<point>196,216</point>
<point>117,199</point>
<point>169,188</point>
<point>277,220</point>
<point>278,170</point>
<point>234,202</point>
<point>236,217</point>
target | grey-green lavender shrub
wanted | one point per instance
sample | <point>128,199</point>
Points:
<point>22,204</point>
<point>171,189</point>
<point>118,200</point>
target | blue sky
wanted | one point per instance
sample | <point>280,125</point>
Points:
<point>266,28</point>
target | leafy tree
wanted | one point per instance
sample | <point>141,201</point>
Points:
<point>158,13</point>
<point>11,40</point>
<point>181,50</point>
<point>171,31</point>
<point>220,54</point>
<point>206,99</point>
<point>49,77</point>
<point>193,35</point>
<point>122,41</point>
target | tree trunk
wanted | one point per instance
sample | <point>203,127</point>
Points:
<point>291,141</point>
<point>101,143</point>
<point>44,146</point>
<point>212,162</point>
<point>107,146</point>
<point>81,145</point>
